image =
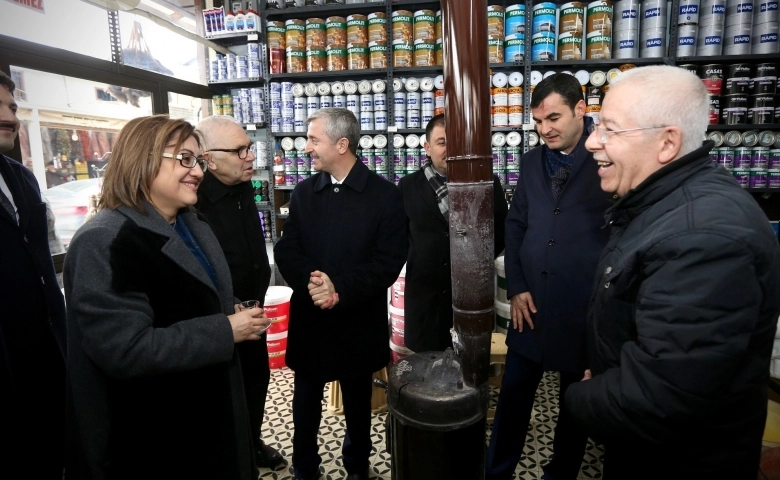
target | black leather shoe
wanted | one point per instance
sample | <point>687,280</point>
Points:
<point>267,457</point>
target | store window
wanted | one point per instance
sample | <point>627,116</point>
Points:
<point>68,128</point>
<point>155,48</point>
<point>187,108</point>
<point>71,25</point>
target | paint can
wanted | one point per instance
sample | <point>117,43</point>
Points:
<point>686,40</point>
<point>626,15</point>
<point>765,38</point>
<point>709,41</point>
<point>514,20</point>
<point>543,47</point>
<point>543,20</point>
<point>570,46</point>
<point>599,17</point>
<point>598,46</point>
<point>514,48</point>
<point>495,21</point>
<point>571,19</point>
<point>688,13</point>
<point>626,44</point>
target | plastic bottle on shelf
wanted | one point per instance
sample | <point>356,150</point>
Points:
<point>252,20</point>
<point>230,21</point>
<point>240,17</point>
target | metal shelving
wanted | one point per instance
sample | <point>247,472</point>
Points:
<point>746,126</point>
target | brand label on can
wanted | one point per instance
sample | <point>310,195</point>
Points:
<point>653,42</point>
<point>627,14</point>
<point>713,40</point>
<point>719,9</point>
<point>768,38</point>
<point>690,9</point>
<point>652,12</point>
<point>401,18</point>
<point>738,39</point>
<point>687,41</point>
<point>744,7</point>
<point>626,43</point>
<point>768,7</point>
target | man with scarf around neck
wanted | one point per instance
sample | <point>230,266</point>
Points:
<point>554,236</point>
<point>686,298</point>
<point>428,291</point>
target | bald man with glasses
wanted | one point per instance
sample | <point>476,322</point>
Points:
<point>687,293</point>
<point>226,201</point>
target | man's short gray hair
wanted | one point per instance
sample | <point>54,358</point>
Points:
<point>669,96</point>
<point>208,125</point>
<point>338,123</point>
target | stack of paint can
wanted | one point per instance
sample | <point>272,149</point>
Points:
<point>357,42</point>
<point>407,103</point>
<point>543,32</point>
<point>571,27</point>
<point>507,99</point>
<point>222,105</point>
<point>427,99</point>
<point>295,39</point>
<point>295,166</point>
<point>496,35</point>
<point>249,106</point>
<point>424,28</point>
<point>316,40</point>
<point>438,95</point>
<point>739,25</point>
<point>377,40</point>
<point>336,43</point>
<point>507,149</point>
<point>403,39</point>
<point>438,49</point>
<point>752,157</point>
<point>712,78</point>
<point>261,155</point>
<point>598,31</point>
<point>687,27</point>
<point>764,104</point>
<point>625,34</point>
<point>765,27</point>
<point>282,108</point>
<point>712,19</point>
<point>372,152</point>
<point>277,44</point>
<point>652,37</point>
<point>514,33</point>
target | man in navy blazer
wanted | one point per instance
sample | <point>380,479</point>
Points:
<point>554,237</point>
<point>342,247</point>
<point>32,322</point>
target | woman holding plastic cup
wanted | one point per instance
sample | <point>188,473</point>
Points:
<point>154,381</point>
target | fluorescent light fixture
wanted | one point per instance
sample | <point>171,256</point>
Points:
<point>188,21</point>
<point>158,7</point>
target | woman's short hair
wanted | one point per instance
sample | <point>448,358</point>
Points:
<point>136,158</point>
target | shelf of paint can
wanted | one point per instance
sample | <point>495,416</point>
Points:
<point>283,187</point>
<point>405,131</point>
<point>766,57</point>
<point>234,38</point>
<point>400,71</point>
<point>514,65</point>
<point>238,81</point>
<point>303,134</point>
<point>372,72</point>
<point>746,126</point>
<point>346,9</point>
<point>602,63</point>
<point>763,190</point>
<point>264,206</point>
<point>518,128</point>
<point>415,5</point>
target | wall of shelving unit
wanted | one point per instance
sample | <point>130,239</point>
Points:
<point>278,195</point>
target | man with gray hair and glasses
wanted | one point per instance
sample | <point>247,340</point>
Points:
<point>686,297</point>
<point>342,247</point>
<point>226,202</point>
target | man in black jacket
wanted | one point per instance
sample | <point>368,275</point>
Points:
<point>343,246</point>
<point>428,291</point>
<point>226,201</point>
<point>686,297</point>
<point>554,236</point>
<point>32,319</point>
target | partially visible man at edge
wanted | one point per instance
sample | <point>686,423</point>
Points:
<point>32,322</point>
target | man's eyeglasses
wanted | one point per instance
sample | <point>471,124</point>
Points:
<point>188,161</point>
<point>242,152</point>
<point>602,131</point>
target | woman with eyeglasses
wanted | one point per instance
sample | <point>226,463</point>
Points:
<point>154,381</point>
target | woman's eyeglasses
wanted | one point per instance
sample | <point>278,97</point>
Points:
<point>188,160</point>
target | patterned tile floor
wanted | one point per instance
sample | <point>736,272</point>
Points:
<point>278,432</point>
